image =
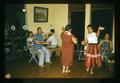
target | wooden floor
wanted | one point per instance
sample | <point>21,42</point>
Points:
<point>23,69</point>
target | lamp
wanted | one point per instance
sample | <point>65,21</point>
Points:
<point>24,10</point>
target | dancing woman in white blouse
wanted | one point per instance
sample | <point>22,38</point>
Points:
<point>93,58</point>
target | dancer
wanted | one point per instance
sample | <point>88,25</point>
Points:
<point>92,58</point>
<point>68,41</point>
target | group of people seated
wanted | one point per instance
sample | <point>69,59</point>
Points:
<point>39,40</point>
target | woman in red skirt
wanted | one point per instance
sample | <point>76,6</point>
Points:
<point>93,58</point>
<point>67,49</point>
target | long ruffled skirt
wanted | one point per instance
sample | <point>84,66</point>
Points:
<point>93,58</point>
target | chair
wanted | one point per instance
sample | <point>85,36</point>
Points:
<point>80,51</point>
<point>33,52</point>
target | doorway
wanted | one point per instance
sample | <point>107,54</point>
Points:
<point>78,24</point>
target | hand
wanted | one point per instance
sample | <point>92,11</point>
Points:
<point>101,28</point>
<point>37,42</point>
<point>74,39</point>
<point>83,42</point>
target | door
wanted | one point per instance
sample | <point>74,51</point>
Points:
<point>78,24</point>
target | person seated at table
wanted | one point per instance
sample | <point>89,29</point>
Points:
<point>38,48</point>
<point>41,39</point>
<point>52,40</point>
<point>40,36</point>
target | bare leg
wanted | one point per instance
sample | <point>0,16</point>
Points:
<point>91,71</point>
<point>87,69</point>
<point>67,69</point>
<point>63,70</point>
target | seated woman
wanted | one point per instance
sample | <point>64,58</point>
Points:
<point>52,40</point>
<point>105,46</point>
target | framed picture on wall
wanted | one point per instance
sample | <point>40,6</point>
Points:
<point>40,14</point>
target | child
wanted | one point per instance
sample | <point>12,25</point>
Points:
<point>92,56</point>
<point>105,48</point>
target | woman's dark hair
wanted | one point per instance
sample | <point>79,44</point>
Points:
<point>107,32</point>
<point>30,32</point>
<point>89,25</point>
<point>68,27</point>
<point>93,28</point>
<point>52,30</point>
<point>38,28</point>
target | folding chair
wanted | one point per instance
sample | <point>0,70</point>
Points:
<point>33,52</point>
<point>81,54</point>
<point>80,51</point>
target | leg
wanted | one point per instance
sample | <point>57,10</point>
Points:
<point>106,60</point>
<point>91,70</point>
<point>41,58</point>
<point>87,69</point>
<point>89,61</point>
<point>63,70</point>
<point>67,69</point>
<point>47,55</point>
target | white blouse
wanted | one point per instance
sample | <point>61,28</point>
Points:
<point>29,39</point>
<point>92,38</point>
<point>53,39</point>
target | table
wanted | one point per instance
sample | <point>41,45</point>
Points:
<point>57,50</point>
<point>43,43</point>
<point>46,44</point>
